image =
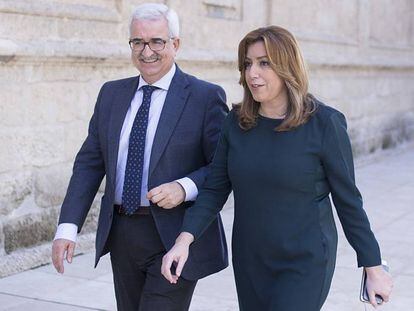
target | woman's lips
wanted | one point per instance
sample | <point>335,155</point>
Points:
<point>255,86</point>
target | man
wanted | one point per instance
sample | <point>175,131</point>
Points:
<point>155,132</point>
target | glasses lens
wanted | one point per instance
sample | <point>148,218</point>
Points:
<point>136,45</point>
<point>156,44</point>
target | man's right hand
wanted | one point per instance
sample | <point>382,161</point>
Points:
<point>62,248</point>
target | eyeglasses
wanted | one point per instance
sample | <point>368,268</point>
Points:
<point>155,44</point>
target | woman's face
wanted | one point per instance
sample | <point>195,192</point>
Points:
<point>263,82</point>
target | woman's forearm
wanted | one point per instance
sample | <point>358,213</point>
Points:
<point>184,238</point>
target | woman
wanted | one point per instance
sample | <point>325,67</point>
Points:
<point>282,153</point>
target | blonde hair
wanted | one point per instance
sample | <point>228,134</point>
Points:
<point>286,60</point>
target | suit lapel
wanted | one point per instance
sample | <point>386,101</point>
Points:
<point>121,103</point>
<point>173,107</point>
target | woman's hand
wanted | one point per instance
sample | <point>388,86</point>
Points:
<point>179,254</point>
<point>379,282</point>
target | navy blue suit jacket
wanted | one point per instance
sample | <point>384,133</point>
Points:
<point>184,145</point>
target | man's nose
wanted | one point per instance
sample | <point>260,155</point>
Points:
<point>147,52</point>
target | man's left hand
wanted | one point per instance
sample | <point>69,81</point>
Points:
<point>167,195</point>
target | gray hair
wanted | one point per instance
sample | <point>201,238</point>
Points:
<point>156,11</point>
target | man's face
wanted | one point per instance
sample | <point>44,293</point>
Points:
<point>153,65</point>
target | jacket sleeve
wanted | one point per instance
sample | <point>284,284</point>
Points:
<point>214,115</point>
<point>338,163</point>
<point>88,172</point>
<point>215,190</point>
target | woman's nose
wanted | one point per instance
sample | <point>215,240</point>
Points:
<point>253,72</point>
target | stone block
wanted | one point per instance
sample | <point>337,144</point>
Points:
<point>205,25</point>
<point>78,103</point>
<point>102,187</point>
<point>15,186</point>
<point>50,184</point>
<point>32,15</point>
<point>14,144</point>
<point>387,18</point>
<point>397,129</point>
<point>14,100</point>
<point>27,146</point>
<point>408,125</point>
<point>30,229</point>
<point>66,103</point>
<point>2,250</point>
<point>56,72</point>
<point>34,26</point>
<point>68,29</point>
<point>27,258</point>
<point>223,9</point>
<point>384,131</point>
<point>75,134</point>
<point>46,146</point>
<point>93,4</point>
<point>329,19</point>
<point>42,110</point>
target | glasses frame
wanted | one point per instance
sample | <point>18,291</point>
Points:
<point>148,43</point>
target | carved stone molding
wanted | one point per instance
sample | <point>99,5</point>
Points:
<point>81,11</point>
<point>391,24</point>
<point>224,9</point>
<point>327,21</point>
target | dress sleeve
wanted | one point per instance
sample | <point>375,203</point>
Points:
<point>339,169</point>
<point>214,192</point>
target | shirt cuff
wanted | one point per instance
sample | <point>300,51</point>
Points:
<point>190,188</point>
<point>66,231</point>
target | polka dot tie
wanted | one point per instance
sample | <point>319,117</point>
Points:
<point>131,194</point>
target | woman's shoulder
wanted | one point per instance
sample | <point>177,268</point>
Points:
<point>325,113</point>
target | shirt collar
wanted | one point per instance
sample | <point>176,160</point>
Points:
<point>163,83</point>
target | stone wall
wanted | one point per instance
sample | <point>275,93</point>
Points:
<point>55,55</point>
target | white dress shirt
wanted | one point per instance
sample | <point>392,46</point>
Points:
<point>69,231</point>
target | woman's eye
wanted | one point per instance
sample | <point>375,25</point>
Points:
<point>247,65</point>
<point>264,63</point>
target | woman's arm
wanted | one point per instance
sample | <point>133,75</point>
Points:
<point>178,254</point>
<point>209,202</point>
<point>339,169</point>
<point>337,161</point>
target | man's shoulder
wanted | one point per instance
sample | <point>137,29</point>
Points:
<point>121,82</point>
<point>201,84</point>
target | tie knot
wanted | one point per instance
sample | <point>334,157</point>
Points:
<point>148,89</point>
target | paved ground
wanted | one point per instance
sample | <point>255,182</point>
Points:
<point>387,183</point>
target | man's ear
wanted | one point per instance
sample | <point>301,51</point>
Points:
<point>176,43</point>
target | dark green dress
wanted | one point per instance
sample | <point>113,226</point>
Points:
<point>284,235</point>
